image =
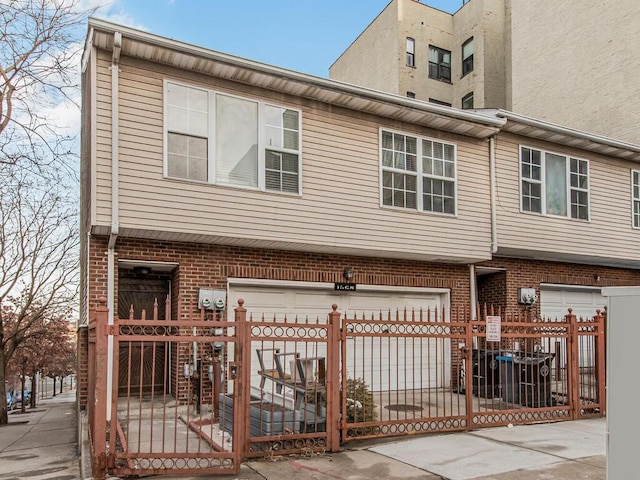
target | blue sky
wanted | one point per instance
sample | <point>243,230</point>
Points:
<point>302,35</point>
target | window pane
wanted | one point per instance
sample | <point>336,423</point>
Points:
<point>467,48</point>
<point>236,141</point>
<point>387,158</point>
<point>281,171</point>
<point>449,169</point>
<point>187,110</point>
<point>448,152</point>
<point>412,163</point>
<point>187,157</point>
<point>387,140</point>
<point>579,205</point>
<point>556,184</point>
<point>281,128</point>
<point>531,197</point>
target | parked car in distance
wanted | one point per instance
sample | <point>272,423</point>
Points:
<point>17,398</point>
<point>10,403</point>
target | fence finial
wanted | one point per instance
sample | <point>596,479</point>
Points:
<point>334,307</point>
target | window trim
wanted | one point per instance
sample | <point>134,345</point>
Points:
<point>469,40</point>
<point>466,97</point>
<point>635,214</point>
<point>419,174</point>
<point>211,139</point>
<point>542,182</point>
<point>411,53</point>
<point>439,78</point>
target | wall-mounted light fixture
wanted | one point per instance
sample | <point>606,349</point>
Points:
<point>597,278</point>
<point>347,273</point>
<point>142,270</point>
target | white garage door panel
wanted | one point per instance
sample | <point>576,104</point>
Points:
<point>555,303</point>
<point>386,363</point>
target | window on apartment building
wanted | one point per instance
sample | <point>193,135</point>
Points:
<point>467,56</point>
<point>411,52</point>
<point>635,187</point>
<point>467,101</point>
<point>553,184</point>
<point>439,64</point>
<point>418,173</point>
<point>411,95</point>
<point>439,102</point>
<point>228,140</point>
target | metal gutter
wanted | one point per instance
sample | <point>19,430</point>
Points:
<point>552,127</point>
<point>327,84</point>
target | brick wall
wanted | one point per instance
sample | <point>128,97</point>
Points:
<point>203,265</point>
<point>209,266</point>
<point>522,273</point>
<point>491,290</point>
<point>81,367</point>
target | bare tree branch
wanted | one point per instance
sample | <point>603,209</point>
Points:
<point>39,58</point>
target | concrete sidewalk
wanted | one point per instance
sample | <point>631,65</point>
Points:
<point>42,443</point>
<point>566,450</point>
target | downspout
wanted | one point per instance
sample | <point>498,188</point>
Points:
<point>472,290</point>
<point>492,177</point>
<point>113,237</point>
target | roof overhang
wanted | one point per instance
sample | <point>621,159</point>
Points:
<point>549,256</point>
<point>169,52</point>
<point>550,132</point>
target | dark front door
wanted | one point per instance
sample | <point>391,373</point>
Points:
<point>142,365</point>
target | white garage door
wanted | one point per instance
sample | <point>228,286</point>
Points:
<point>314,300</point>
<point>555,301</point>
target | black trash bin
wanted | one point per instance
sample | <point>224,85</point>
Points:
<point>534,372</point>
<point>486,376</point>
<point>509,378</point>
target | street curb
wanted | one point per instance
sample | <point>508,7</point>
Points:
<point>84,445</point>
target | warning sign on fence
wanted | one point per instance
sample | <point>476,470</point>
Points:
<point>494,323</point>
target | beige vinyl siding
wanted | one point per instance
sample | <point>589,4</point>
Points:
<point>340,201</point>
<point>608,233</point>
<point>103,139</point>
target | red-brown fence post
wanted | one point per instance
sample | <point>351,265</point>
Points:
<point>601,355</point>
<point>242,386</point>
<point>99,429</point>
<point>573,364</point>
<point>333,380</point>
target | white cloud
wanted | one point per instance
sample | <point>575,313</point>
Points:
<point>111,11</point>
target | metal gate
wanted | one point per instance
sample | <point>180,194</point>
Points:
<point>183,426</point>
<point>255,387</point>
<point>409,372</point>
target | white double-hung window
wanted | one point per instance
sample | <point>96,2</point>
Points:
<point>417,173</point>
<point>635,191</point>
<point>554,184</point>
<point>223,139</point>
